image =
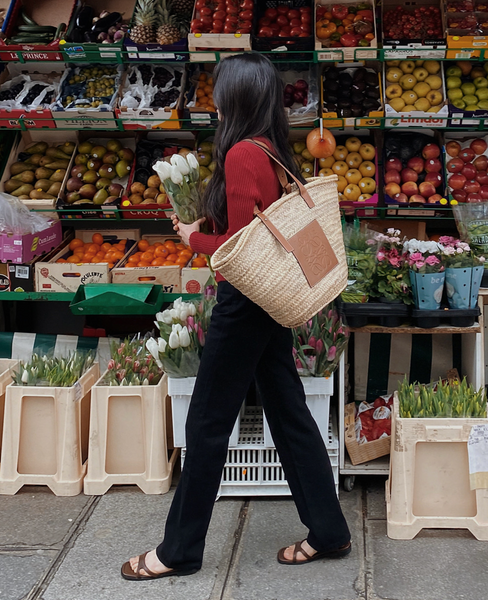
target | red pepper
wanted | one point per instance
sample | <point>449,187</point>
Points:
<point>339,11</point>
<point>348,40</point>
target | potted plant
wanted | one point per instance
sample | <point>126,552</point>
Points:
<point>427,274</point>
<point>464,271</point>
<point>391,282</point>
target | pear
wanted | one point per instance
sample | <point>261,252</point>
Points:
<point>25,188</point>
<point>126,154</point>
<point>43,173</point>
<point>56,153</point>
<point>68,148</point>
<point>100,197</point>
<point>108,171</point>
<point>43,184</point>
<point>18,167</point>
<point>90,177</point>
<point>38,194</point>
<point>85,148</point>
<point>60,163</point>
<point>94,164</point>
<point>110,158</point>
<point>58,175</point>
<point>103,183</point>
<point>34,159</point>
<point>45,160</point>
<point>82,159</point>
<point>11,185</point>
<point>25,177</point>
<point>55,188</point>
<point>114,145</point>
<point>72,197</point>
<point>38,148</point>
<point>122,168</point>
<point>98,151</point>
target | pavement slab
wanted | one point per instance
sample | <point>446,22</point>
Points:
<point>274,523</point>
<point>439,564</point>
<point>375,498</point>
<point>21,572</point>
<point>128,522</point>
<point>54,517</point>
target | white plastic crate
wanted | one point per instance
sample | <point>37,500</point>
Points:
<point>251,469</point>
<point>318,391</point>
<point>180,390</point>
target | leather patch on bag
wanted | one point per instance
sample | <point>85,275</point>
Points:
<point>313,253</point>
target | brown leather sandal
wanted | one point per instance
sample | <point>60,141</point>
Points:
<point>128,573</point>
<point>338,553</point>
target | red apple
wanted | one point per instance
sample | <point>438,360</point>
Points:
<point>433,165</point>
<point>481,163</point>
<point>416,199</point>
<point>409,188</point>
<point>416,163</point>
<point>468,171</point>
<point>453,148</point>
<point>434,178</point>
<point>471,187</point>
<point>409,175</point>
<point>481,177</point>
<point>484,192</point>
<point>426,189</point>
<point>392,188</point>
<point>393,163</point>
<point>455,165</point>
<point>457,181</point>
<point>431,151</point>
<point>392,177</point>
<point>478,145</point>
<point>435,199</point>
<point>401,198</point>
<point>474,197</point>
<point>467,155</point>
<point>459,195</point>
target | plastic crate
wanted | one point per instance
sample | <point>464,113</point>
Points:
<point>46,436</point>
<point>429,482</point>
<point>127,442</point>
<point>318,391</point>
<point>180,390</point>
<point>253,470</point>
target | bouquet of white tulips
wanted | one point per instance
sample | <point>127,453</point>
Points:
<point>181,181</point>
<point>49,371</point>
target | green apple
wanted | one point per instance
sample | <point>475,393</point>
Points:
<point>459,104</point>
<point>455,94</point>
<point>471,107</point>
<point>483,104</point>
<point>481,82</point>
<point>482,93</point>
<point>454,72</point>
<point>453,82</point>
<point>470,99</point>
<point>468,89</point>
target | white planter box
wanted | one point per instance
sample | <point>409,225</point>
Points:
<point>180,390</point>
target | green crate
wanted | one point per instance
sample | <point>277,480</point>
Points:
<point>117,299</point>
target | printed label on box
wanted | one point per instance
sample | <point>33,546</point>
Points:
<point>22,272</point>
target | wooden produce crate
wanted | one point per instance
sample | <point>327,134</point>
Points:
<point>361,453</point>
<point>326,52</point>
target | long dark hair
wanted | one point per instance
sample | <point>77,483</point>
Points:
<point>248,92</point>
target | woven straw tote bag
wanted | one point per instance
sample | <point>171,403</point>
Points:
<point>290,260</point>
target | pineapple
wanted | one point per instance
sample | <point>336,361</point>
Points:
<point>182,8</point>
<point>168,31</point>
<point>145,19</point>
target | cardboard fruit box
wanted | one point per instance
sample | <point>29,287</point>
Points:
<point>67,277</point>
<point>168,277</point>
<point>371,119</point>
<point>464,139</point>
<point>194,279</point>
<point>200,117</point>
<point>147,117</point>
<point>94,51</point>
<point>406,48</point>
<point>90,210</point>
<point>55,13</point>
<point>37,117</point>
<point>327,52</point>
<point>466,118</point>
<point>26,139</point>
<point>18,248</point>
<point>417,118</point>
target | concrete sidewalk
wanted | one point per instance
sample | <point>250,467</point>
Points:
<point>72,549</point>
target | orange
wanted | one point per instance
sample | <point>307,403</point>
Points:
<point>87,258</point>
<point>110,265</point>
<point>168,263</point>
<point>94,248</point>
<point>118,255</point>
<point>147,256</point>
<point>130,265</point>
<point>143,245</point>
<point>185,254</point>
<point>95,260</point>
<point>157,244</point>
<point>106,246</point>
<point>161,251</point>
<point>143,264</point>
<point>157,262</point>
<point>133,259</point>
<point>198,262</point>
<point>73,259</point>
<point>76,243</point>
<point>208,89</point>
<point>100,254</point>
<point>182,261</point>
<point>180,246</point>
<point>97,238</point>
<point>200,93</point>
<point>202,77</point>
<point>201,255</point>
<point>61,260</point>
<point>172,257</point>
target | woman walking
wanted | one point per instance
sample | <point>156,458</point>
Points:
<point>244,344</point>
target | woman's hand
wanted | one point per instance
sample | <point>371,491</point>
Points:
<point>185,231</point>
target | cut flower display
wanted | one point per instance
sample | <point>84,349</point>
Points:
<point>50,371</point>
<point>131,364</point>
<point>391,278</point>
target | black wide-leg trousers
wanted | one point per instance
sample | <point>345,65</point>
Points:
<point>244,344</point>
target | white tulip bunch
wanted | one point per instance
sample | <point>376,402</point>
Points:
<point>181,178</point>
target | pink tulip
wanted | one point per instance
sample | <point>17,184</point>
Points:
<point>331,353</point>
<point>190,322</point>
<point>111,364</point>
<point>319,346</point>
<point>312,341</point>
<point>201,337</point>
<point>298,363</point>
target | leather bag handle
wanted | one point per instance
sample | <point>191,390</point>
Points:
<point>281,173</point>
<point>273,230</point>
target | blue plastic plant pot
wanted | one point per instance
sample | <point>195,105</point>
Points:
<point>462,286</point>
<point>427,289</point>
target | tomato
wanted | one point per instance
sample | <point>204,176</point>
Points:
<point>282,20</point>
<point>271,13</point>
<point>245,25</point>
<point>295,23</point>
<point>218,26</point>
<point>339,11</point>
<point>219,15</point>
<point>283,10</point>
<point>206,21</point>
<point>245,15</point>
<point>264,22</point>
<point>305,9</point>
<point>196,25</point>
<point>232,10</point>
<point>325,29</point>
<point>296,32</point>
<point>206,11</point>
<point>201,4</point>
<point>244,30</point>
<point>306,18</point>
<point>265,32</point>
<point>304,35</point>
<point>275,27</point>
<point>293,14</point>
<point>286,30</point>
<point>247,5</point>
<point>306,29</point>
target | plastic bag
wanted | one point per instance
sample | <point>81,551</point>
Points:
<point>16,218</point>
<point>146,88</point>
<point>361,262</point>
<point>472,224</point>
